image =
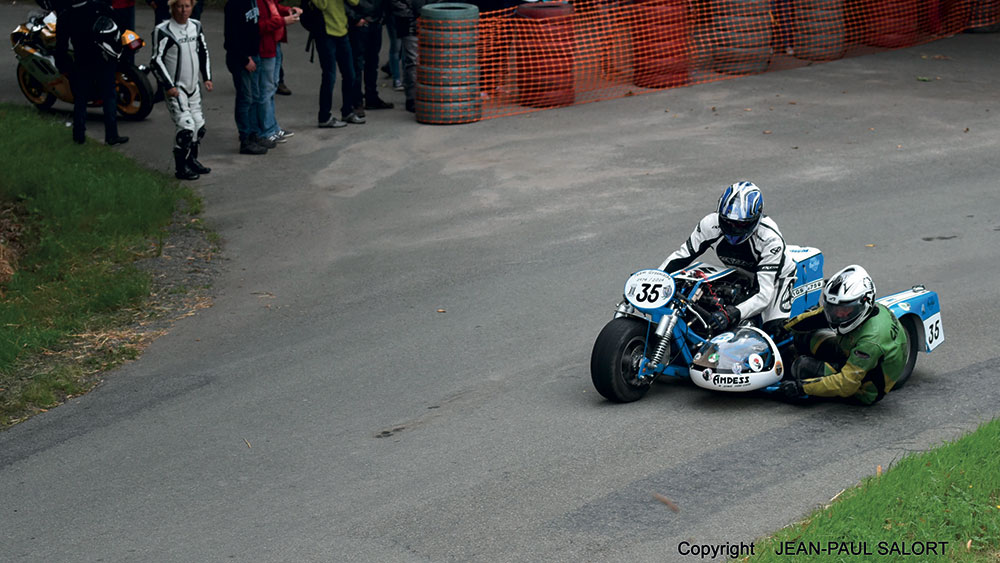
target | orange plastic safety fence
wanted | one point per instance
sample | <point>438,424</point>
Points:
<point>551,54</point>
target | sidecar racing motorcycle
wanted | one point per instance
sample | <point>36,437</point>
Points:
<point>661,328</point>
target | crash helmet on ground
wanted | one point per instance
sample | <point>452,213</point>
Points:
<point>740,209</point>
<point>848,298</point>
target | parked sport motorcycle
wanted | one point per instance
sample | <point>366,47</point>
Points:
<point>42,84</point>
<point>661,328</point>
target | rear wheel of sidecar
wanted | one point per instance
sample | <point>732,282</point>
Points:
<point>912,347</point>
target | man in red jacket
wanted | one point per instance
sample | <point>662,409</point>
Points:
<point>273,19</point>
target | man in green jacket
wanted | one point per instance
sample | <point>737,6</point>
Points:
<point>334,48</point>
<point>855,349</point>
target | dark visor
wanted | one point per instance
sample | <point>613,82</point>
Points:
<point>734,227</point>
<point>842,313</point>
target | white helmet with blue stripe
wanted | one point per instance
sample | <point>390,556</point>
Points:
<point>740,209</point>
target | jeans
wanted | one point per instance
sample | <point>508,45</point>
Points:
<point>337,50</point>
<point>267,70</point>
<point>83,81</point>
<point>246,114</point>
<point>409,50</point>
<point>393,52</point>
<point>366,44</point>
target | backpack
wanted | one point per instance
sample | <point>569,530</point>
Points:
<point>311,18</point>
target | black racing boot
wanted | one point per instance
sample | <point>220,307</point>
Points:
<point>192,161</point>
<point>184,172</point>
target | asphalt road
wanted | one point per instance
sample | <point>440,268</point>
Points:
<point>325,410</point>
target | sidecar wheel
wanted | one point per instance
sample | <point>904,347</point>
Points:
<point>912,347</point>
<point>135,95</point>
<point>33,89</point>
<point>614,362</point>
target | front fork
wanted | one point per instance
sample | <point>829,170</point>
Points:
<point>651,366</point>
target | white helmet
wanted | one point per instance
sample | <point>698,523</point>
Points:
<point>848,298</point>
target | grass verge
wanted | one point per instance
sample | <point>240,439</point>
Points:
<point>948,494</point>
<point>75,220</point>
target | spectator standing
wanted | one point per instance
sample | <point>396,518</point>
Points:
<point>334,48</point>
<point>282,89</point>
<point>242,44</point>
<point>197,9</point>
<point>124,16</point>
<point>180,56</point>
<point>391,68</point>
<point>95,56</point>
<point>161,12</point>
<point>365,33</point>
<point>405,14</point>
<point>273,18</point>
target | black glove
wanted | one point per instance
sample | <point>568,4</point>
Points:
<point>791,389</point>
<point>721,320</point>
<point>734,315</point>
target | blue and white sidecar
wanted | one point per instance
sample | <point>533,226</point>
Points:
<point>661,328</point>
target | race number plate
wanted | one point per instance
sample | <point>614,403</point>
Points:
<point>933,331</point>
<point>649,289</point>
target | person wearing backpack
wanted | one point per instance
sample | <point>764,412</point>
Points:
<point>90,26</point>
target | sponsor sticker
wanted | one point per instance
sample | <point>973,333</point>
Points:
<point>731,380</point>
<point>756,362</point>
<point>737,368</point>
<point>806,288</point>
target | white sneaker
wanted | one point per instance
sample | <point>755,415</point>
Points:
<point>354,118</point>
<point>332,122</point>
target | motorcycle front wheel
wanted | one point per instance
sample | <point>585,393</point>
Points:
<point>614,362</point>
<point>33,89</point>
<point>135,95</point>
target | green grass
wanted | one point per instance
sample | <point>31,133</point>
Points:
<point>87,213</point>
<point>949,494</point>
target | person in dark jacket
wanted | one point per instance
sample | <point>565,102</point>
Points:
<point>242,44</point>
<point>91,65</point>
<point>365,33</point>
<point>405,14</point>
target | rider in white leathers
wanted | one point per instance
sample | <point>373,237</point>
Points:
<point>749,241</point>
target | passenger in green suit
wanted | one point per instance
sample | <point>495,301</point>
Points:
<point>851,346</point>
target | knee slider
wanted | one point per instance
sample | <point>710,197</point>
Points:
<point>807,367</point>
<point>184,138</point>
<point>201,133</point>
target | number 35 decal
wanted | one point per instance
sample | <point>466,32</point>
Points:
<point>649,289</point>
<point>933,331</point>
